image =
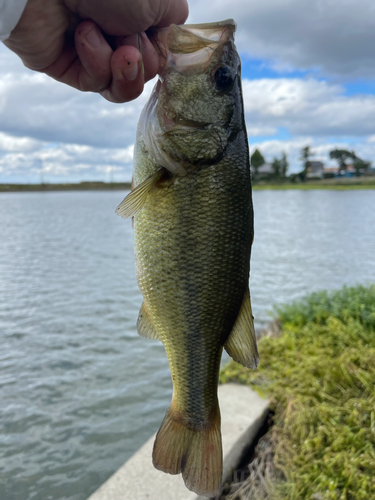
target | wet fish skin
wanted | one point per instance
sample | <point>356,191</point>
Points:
<point>193,228</point>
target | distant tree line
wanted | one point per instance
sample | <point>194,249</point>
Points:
<point>277,170</point>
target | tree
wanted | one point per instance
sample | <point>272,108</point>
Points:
<point>283,165</point>
<point>341,155</point>
<point>276,167</point>
<point>306,153</point>
<point>361,166</point>
<point>280,167</point>
<point>256,161</point>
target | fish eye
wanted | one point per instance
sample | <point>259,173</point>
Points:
<point>223,78</point>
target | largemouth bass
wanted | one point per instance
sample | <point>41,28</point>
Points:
<point>193,225</point>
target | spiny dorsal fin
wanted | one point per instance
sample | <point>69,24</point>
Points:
<point>135,200</point>
<point>241,344</point>
<point>144,326</point>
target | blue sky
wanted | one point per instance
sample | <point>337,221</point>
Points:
<point>308,69</point>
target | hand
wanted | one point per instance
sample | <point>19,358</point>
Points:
<point>93,45</point>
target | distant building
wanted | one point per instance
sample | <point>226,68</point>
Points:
<point>265,171</point>
<point>315,170</point>
<point>330,172</point>
<point>351,172</point>
<point>340,172</point>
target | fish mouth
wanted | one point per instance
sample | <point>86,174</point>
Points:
<point>175,122</point>
<point>179,123</point>
<point>189,48</point>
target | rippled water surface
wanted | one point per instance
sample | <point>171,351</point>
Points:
<point>79,390</point>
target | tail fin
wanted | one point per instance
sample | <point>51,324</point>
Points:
<point>195,453</point>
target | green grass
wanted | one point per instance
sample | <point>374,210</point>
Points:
<point>81,186</point>
<point>337,185</point>
<point>320,374</point>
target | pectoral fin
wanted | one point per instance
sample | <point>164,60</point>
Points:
<point>144,326</point>
<point>241,344</point>
<point>135,200</point>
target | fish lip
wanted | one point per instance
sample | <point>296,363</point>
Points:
<point>182,124</point>
<point>176,123</point>
<point>189,48</point>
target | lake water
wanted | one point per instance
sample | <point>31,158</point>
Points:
<point>80,392</point>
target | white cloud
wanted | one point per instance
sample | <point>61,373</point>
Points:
<point>337,36</point>
<point>64,160</point>
<point>307,107</point>
<point>45,125</point>
<point>311,111</point>
<point>259,131</point>
<point>48,127</point>
<point>9,143</point>
<point>35,106</point>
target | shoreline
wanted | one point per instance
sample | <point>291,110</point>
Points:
<point>333,184</point>
<point>79,186</point>
<point>315,186</point>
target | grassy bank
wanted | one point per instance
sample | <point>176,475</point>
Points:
<point>80,186</point>
<point>319,374</point>
<point>337,184</point>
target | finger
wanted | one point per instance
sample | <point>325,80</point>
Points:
<point>124,17</point>
<point>93,66</point>
<point>174,12</point>
<point>127,76</point>
<point>95,54</point>
<point>149,56</point>
<point>128,72</point>
<point>86,65</point>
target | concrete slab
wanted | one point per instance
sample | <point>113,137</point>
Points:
<point>243,412</point>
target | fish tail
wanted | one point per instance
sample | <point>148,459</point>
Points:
<point>197,453</point>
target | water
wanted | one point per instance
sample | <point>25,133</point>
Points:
<point>79,390</point>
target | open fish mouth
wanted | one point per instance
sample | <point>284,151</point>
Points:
<point>189,48</point>
<point>189,51</point>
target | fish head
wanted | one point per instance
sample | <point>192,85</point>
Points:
<point>196,108</point>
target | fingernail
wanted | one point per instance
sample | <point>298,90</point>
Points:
<point>93,38</point>
<point>130,72</point>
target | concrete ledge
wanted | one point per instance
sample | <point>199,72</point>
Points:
<point>243,412</point>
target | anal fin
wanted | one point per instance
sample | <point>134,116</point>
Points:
<point>241,344</point>
<point>144,326</point>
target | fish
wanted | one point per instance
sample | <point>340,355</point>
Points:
<point>192,211</point>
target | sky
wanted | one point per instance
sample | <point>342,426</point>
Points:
<point>308,76</point>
